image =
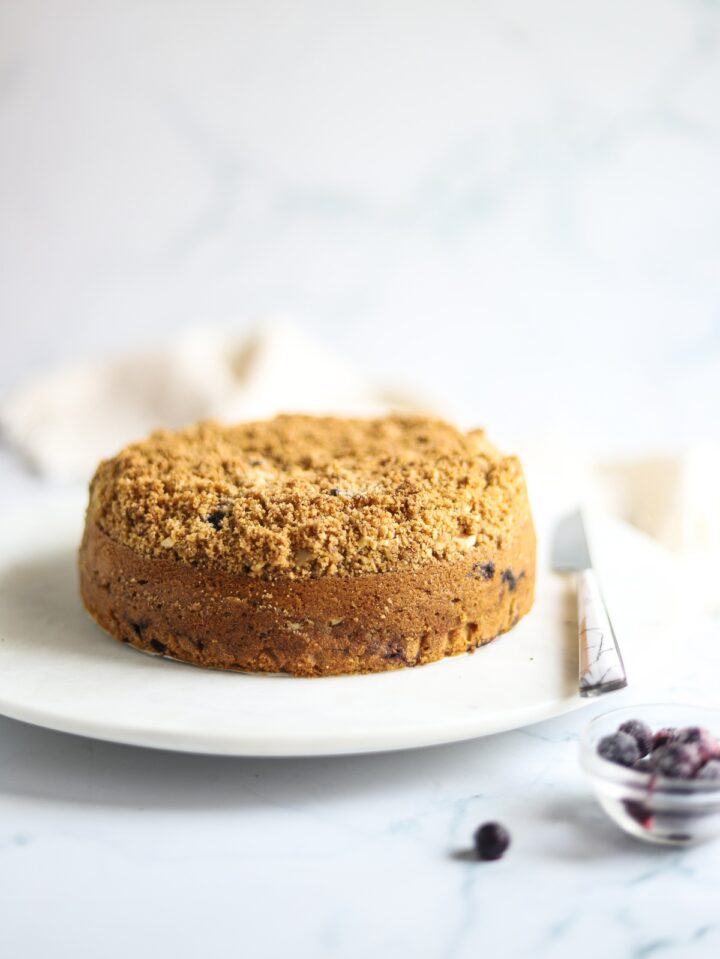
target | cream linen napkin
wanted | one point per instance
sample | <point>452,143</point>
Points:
<point>65,422</point>
<point>672,499</point>
<point>676,500</point>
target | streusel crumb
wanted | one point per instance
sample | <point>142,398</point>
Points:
<point>301,496</point>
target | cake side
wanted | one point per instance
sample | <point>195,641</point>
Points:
<point>307,627</point>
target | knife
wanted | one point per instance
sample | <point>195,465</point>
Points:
<point>600,666</point>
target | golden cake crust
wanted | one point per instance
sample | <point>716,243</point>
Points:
<point>427,548</point>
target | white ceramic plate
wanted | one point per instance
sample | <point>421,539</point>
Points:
<point>58,669</point>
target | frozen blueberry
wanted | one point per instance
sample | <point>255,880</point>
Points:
<point>711,770</point>
<point>702,738</point>
<point>641,733</point>
<point>689,734</point>
<point>620,748</point>
<point>663,736</point>
<point>676,760</point>
<point>491,840</point>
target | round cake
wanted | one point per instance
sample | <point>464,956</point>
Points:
<point>309,545</point>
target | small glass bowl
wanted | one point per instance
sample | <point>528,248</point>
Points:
<point>674,812</point>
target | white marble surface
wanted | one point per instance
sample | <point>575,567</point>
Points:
<point>113,851</point>
<point>454,193</point>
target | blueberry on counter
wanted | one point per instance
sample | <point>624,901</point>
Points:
<point>491,841</point>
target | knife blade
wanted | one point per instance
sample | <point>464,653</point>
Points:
<point>600,664</point>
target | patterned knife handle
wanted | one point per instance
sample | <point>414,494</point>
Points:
<point>601,668</point>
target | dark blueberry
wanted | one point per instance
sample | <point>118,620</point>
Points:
<point>511,579</point>
<point>702,738</point>
<point>396,654</point>
<point>639,812</point>
<point>491,840</point>
<point>158,646</point>
<point>483,570</point>
<point>690,734</point>
<point>215,519</point>
<point>620,748</point>
<point>676,760</point>
<point>139,627</point>
<point>334,491</point>
<point>663,736</point>
<point>711,770</point>
<point>641,733</point>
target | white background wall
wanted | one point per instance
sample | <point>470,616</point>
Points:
<point>517,202</point>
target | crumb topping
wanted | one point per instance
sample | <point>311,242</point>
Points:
<point>303,496</point>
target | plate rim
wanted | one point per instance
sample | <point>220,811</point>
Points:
<point>270,746</point>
